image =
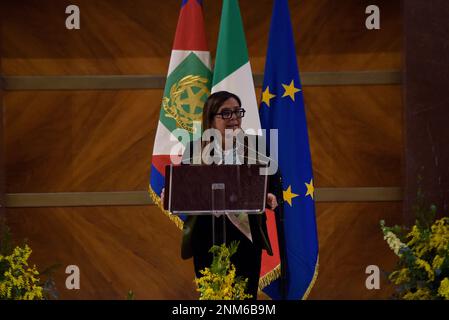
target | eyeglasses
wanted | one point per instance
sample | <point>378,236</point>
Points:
<point>227,114</point>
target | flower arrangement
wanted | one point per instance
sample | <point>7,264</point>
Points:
<point>422,271</point>
<point>219,282</point>
<point>18,281</point>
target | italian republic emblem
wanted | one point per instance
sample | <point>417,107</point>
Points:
<point>186,100</point>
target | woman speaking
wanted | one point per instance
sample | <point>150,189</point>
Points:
<point>223,111</point>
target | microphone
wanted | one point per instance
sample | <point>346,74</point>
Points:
<point>262,158</point>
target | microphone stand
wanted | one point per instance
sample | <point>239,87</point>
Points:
<point>280,222</point>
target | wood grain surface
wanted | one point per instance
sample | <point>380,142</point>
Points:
<point>117,249</point>
<point>102,140</point>
<point>119,37</point>
<point>350,240</point>
<point>137,248</point>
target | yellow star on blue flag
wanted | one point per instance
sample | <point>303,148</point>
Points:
<point>267,96</point>
<point>290,90</point>
<point>289,195</point>
<point>310,188</point>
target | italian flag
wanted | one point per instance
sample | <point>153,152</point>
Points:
<point>232,72</point>
<point>187,88</point>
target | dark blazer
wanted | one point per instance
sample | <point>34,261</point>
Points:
<point>257,222</point>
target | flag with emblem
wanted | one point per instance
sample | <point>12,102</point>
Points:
<point>232,70</point>
<point>187,88</point>
<point>282,108</point>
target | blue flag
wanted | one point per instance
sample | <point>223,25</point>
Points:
<point>282,108</point>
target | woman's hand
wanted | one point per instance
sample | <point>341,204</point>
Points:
<point>272,201</point>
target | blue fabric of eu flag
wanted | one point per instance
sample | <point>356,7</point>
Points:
<point>282,108</point>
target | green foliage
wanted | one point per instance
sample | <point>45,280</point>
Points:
<point>18,280</point>
<point>422,271</point>
<point>219,282</point>
<point>221,261</point>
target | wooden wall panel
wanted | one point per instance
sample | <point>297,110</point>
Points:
<point>137,248</point>
<point>116,248</point>
<point>355,135</point>
<point>350,239</point>
<point>103,140</point>
<point>118,37</point>
<point>426,105</point>
<point>330,35</point>
<point>80,141</point>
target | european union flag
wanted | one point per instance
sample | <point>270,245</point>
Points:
<point>282,108</point>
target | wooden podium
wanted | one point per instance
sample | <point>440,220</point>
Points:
<point>215,190</point>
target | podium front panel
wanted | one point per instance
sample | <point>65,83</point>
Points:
<point>189,188</point>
